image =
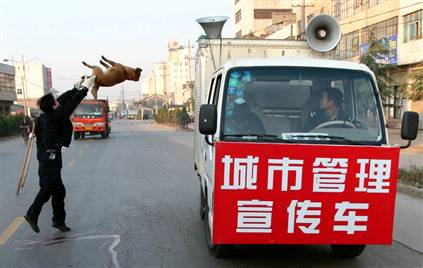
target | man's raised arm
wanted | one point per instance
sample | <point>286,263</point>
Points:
<point>77,96</point>
<point>67,96</point>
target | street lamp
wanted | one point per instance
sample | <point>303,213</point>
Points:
<point>27,111</point>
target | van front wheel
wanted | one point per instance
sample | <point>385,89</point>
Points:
<point>218,251</point>
<point>347,251</point>
<point>202,203</point>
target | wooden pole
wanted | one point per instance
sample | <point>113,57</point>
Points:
<point>27,160</point>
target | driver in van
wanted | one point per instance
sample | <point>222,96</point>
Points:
<point>330,109</point>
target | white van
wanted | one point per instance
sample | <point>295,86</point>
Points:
<point>258,115</point>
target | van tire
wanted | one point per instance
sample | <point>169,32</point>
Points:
<point>104,134</point>
<point>347,251</point>
<point>203,202</point>
<point>76,135</point>
<point>218,251</point>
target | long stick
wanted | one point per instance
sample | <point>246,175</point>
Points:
<point>31,141</point>
<point>26,162</point>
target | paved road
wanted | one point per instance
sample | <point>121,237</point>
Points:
<point>132,202</point>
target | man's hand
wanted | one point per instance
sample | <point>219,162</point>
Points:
<point>31,135</point>
<point>77,85</point>
<point>88,82</point>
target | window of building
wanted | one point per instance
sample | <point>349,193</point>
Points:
<point>343,9</point>
<point>379,30</point>
<point>238,16</point>
<point>413,26</point>
<point>266,14</point>
<point>19,91</point>
<point>349,45</point>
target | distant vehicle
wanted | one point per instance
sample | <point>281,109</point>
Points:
<point>132,114</point>
<point>91,117</point>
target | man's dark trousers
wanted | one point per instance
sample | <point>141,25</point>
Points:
<point>51,185</point>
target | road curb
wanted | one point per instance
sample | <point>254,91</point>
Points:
<point>174,128</point>
<point>410,190</point>
<point>10,137</point>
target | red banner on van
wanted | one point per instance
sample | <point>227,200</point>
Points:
<point>304,194</point>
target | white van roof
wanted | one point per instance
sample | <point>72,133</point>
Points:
<point>296,62</point>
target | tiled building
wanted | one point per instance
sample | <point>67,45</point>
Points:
<point>7,88</point>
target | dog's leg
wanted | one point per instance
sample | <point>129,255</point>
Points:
<point>94,90</point>
<point>86,64</point>
<point>108,61</point>
<point>105,64</point>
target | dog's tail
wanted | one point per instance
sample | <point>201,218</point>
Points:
<point>86,64</point>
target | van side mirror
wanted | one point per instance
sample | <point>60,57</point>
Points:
<point>409,127</point>
<point>207,123</point>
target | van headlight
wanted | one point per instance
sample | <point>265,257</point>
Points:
<point>99,124</point>
<point>78,124</point>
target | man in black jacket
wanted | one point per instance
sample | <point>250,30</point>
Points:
<point>54,130</point>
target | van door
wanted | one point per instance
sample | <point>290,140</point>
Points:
<point>208,150</point>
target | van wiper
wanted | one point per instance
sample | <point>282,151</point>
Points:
<point>337,139</point>
<point>267,137</point>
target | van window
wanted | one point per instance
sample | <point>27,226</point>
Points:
<point>287,102</point>
<point>217,89</point>
<point>210,91</point>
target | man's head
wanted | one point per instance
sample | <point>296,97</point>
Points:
<point>48,103</point>
<point>331,98</point>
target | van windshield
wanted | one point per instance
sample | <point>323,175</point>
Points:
<point>301,104</point>
<point>89,109</point>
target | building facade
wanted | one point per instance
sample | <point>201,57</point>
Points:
<point>259,18</point>
<point>38,82</point>
<point>292,28</point>
<point>179,67</point>
<point>7,88</point>
<point>171,79</point>
<point>399,25</point>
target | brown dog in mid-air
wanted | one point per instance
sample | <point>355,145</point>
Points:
<point>114,74</point>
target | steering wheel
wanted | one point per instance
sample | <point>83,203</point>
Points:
<point>334,123</point>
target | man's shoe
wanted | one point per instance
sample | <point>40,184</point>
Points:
<point>61,226</point>
<point>32,223</point>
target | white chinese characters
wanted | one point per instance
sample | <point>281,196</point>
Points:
<point>304,213</point>
<point>244,173</point>
<point>379,173</point>
<point>286,166</point>
<point>351,217</point>
<point>254,216</point>
<point>329,174</point>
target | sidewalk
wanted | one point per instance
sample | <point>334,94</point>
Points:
<point>416,145</point>
<point>408,226</point>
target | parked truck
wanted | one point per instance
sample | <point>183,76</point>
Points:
<point>290,147</point>
<point>91,117</point>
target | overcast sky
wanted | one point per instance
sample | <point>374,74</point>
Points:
<point>62,33</point>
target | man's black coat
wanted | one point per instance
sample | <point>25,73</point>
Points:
<point>54,129</point>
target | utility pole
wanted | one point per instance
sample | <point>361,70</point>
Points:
<point>155,92</point>
<point>24,88</point>
<point>123,100</point>
<point>303,6</point>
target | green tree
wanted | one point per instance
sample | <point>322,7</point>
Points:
<point>413,86</point>
<point>373,57</point>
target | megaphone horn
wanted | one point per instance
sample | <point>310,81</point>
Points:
<point>323,33</point>
<point>212,25</point>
